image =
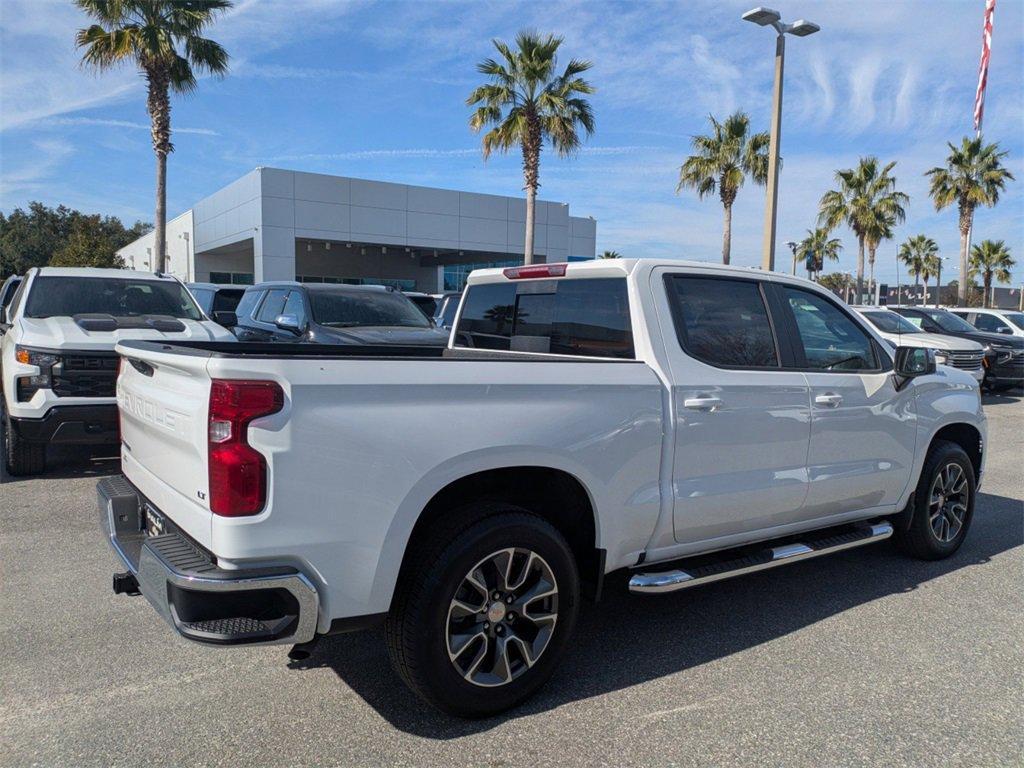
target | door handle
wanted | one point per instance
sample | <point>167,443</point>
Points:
<point>830,399</point>
<point>703,403</point>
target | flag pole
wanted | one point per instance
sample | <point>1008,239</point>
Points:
<point>979,107</point>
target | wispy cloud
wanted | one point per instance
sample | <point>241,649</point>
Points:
<point>105,123</point>
<point>29,177</point>
<point>429,152</point>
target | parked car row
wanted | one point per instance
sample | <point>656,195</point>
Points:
<point>1004,353</point>
<point>687,422</point>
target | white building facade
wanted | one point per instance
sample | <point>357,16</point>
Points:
<point>275,224</point>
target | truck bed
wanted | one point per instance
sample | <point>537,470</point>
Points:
<point>279,350</point>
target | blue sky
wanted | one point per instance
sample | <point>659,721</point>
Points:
<point>376,90</point>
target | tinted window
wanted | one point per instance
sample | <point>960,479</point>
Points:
<point>831,339</point>
<point>248,304</point>
<point>723,322</point>
<point>949,322</point>
<point>226,300</point>
<point>988,322</point>
<point>568,317</point>
<point>426,304</point>
<point>365,308</point>
<point>295,306</point>
<point>451,306</point>
<point>890,322</point>
<point>1015,318</point>
<point>204,297</point>
<point>120,297</point>
<point>486,320</point>
<point>273,305</point>
<point>9,289</point>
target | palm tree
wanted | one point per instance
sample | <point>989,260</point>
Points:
<point>930,267</point>
<point>915,253</point>
<point>821,245</point>
<point>722,161</point>
<point>610,255</point>
<point>877,231</point>
<point>992,259</point>
<point>865,199</point>
<point>527,102</point>
<point>973,175</point>
<point>163,38</point>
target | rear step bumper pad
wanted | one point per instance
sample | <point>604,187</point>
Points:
<point>769,557</point>
<point>169,566</point>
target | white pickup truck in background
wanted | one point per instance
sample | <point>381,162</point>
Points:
<point>57,352</point>
<point>689,422</point>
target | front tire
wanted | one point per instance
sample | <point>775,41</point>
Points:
<point>943,504</point>
<point>20,456</point>
<point>483,610</point>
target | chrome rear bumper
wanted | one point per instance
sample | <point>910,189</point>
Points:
<point>201,601</point>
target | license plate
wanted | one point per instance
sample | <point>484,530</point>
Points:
<point>154,522</point>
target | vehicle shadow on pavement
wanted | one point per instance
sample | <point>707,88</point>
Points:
<point>1006,396</point>
<point>70,461</point>
<point>626,640</point>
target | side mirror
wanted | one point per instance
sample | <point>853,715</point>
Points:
<point>226,318</point>
<point>1004,329</point>
<point>911,362</point>
<point>288,323</point>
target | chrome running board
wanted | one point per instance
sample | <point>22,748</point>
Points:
<point>730,564</point>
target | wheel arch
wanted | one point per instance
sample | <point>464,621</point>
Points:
<point>547,488</point>
<point>968,437</point>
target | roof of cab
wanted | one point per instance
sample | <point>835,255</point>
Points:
<point>615,267</point>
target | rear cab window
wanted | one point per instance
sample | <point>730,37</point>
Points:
<point>586,317</point>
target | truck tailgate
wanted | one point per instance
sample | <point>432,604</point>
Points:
<point>163,400</point>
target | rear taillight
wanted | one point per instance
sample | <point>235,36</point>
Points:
<point>538,270</point>
<point>238,472</point>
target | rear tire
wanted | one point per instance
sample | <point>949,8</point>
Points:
<point>943,504</point>
<point>21,456</point>
<point>463,581</point>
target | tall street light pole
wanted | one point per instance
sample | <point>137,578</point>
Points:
<point>800,28</point>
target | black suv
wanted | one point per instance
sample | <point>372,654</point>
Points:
<point>333,313</point>
<point>1004,355</point>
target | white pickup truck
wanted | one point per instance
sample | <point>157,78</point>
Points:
<point>688,422</point>
<point>57,358</point>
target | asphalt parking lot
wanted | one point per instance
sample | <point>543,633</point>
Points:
<point>862,658</point>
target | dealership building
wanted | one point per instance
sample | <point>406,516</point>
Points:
<point>275,224</point>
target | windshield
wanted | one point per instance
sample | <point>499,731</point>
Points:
<point>890,322</point>
<point>1015,318</point>
<point>120,297</point>
<point>947,321</point>
<point>351,309</point>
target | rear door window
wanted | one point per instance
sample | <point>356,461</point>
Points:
<point>246,307</point>
<point>987,322</point>
<point>272,306</point>
<point>585,317</point>
<point>297,307</point>
<point>723,322</point>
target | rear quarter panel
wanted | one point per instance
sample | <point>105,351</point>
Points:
<point>361,446</point>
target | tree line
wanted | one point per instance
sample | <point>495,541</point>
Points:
<point>62,237</point>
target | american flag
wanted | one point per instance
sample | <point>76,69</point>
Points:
<point>986,53</point>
